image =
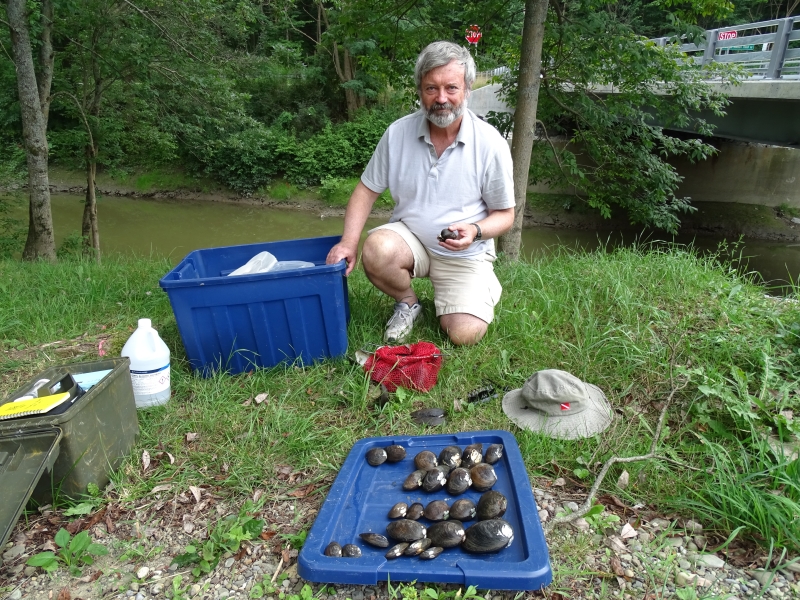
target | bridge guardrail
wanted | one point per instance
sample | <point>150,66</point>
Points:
<point>767,49</point>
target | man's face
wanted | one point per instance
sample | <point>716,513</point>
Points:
<point>443,94</point>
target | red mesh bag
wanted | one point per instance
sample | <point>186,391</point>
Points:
<point>412,366</point>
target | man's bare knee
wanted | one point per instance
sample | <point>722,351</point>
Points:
<point>384,249</point>
<point>463,329</point>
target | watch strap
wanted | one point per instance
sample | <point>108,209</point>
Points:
<point>480,234</point>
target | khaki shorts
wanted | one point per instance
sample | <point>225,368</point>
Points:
<point>460,285</point>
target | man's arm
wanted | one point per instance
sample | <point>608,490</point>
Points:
<point>358,208</point>
<point>496,224</point>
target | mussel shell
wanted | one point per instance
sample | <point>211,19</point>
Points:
<point>351,550</point>
<point>463,510</point>
<point>483,477</point>
<point>333,549</point>
<point>435,479</point>
<point>488,536</point>
<point>406,530</point>
<point>396,550</point>
<point>438,510</point>
<point>395,453</point>
<point>417,547</point>
<point>376,456</point>
<point>492,505</point>
<point>414,481</point>
<point>493,454</point>
<point>415,511</point>
<point>425,460</point>
<point>472,455</point>
<point>375,539</point>
<point>431,553</point>
<point>398,511</point>
<point>446,534</point>
<point>450,456</point>
<point>458,481</point>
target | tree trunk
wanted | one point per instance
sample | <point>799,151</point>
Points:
<point>44,78</point>
<point>89,228</point>
<point>530,69</point>
<point>40,242</point>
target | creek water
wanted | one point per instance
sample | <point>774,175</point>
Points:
<point>174,228</point>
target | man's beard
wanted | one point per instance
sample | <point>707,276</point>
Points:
<point>445,119</point>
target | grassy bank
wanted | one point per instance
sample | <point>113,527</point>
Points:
<point>639,323</point>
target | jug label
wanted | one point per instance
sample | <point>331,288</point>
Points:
<point>150,382</point>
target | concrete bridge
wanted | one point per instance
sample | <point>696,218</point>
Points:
<point>765,107</point>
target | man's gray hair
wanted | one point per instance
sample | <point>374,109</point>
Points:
<point>439,54</point>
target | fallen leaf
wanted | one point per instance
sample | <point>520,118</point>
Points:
<point>267,535</point>
<point>75,526</point>
<point>109,524</point>
<point>196,492</point>
<point>261,397</point>
<point>559,482</point>
<point>171,458</point>
<point>225,467</point>
<point>145,460</point>
<point>302,492</point>
<point>257,495</point>
<point>96,518</point>
<point>616,566</point>
<point>188,524</point>
<point>247,402</point>
<point>627,532</point>
<point>164,487</point>
<point>198,507</point>
<point>64,594</point>
<point>90,578</point>
<point>622,482</point>
<point>49,545</point>
<point>285,556</point>
<point>309,391</point>
<point>457,405</point>
<point>191,437</point>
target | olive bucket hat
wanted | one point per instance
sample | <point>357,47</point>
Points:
<point>559,405</point>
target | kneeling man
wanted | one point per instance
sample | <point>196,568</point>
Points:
<point>445,169</point>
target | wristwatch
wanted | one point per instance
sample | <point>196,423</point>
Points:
<point>480,235</point>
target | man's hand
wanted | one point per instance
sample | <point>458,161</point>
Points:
<point>466,235</point>
<point>343,251</point>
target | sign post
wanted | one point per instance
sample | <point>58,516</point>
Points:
<point>474,36</point>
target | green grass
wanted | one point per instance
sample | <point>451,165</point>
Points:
<point>632,321</point>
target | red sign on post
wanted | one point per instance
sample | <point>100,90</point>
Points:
<point>474,34</point>
<point>727,35</point>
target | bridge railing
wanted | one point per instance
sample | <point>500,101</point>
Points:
<point>767,49</point>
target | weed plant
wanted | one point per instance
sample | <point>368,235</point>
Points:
<point>637,322</point>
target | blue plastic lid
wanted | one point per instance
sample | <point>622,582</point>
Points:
<point>362,495</point>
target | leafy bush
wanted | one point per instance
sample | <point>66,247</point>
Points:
<point>72,553</point>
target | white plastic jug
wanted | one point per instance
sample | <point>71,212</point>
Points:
<point>149,357</point>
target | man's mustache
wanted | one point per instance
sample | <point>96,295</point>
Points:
<point>445,106</point>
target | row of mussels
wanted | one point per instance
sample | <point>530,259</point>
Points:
<point>456,471</point>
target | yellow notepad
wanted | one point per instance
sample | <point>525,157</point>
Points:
<point>34,406</point>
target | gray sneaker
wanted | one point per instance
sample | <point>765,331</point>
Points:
<point>402,322</point>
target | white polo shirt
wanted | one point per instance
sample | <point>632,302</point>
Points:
<point>473,174</point>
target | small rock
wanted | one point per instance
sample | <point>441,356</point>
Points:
<point>684,564</point>
<point>134,586</point>
<point>693,527</point>
<point>675,542</point>
<point>543,515</point>
<point>581,524</point>
<point>223,593</point>
<point>762,577</point>
<point>173,567</point>
<point>629,573</point>
<point>194,590</point>
<point>157,589</point>
<point>142,573</point>
<point>711,560</point>
<point>29,571</point>
<point>659,523</point>
<point>229,562</point>
<point>16,595</point>
<point>357,595</point>
<point>644,537</point>
<point>795,220</point>
<point>571,506</point>
<point>140,596</point>
<point>14,552</point>
<point>793,567</point>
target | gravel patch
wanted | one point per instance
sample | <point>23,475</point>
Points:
<point>641,556</point>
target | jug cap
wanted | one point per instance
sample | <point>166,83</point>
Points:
<point>145,323</point>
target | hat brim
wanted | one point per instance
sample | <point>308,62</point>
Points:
<point>596,416</point>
